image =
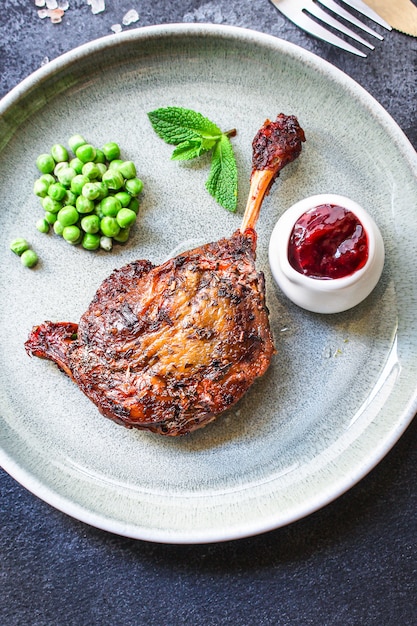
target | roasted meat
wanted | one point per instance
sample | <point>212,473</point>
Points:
<point>167,348</point>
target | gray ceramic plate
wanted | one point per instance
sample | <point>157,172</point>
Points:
<point>342,388</point>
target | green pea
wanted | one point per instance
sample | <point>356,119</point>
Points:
<point>91,241</point>
<point>50,217</point>
<point>58,228</point>
<point>68,216</point>
<point>76,165</point>
<point>86,153</point>
<point>109,226</point>
<point>113,179</point>
<point>90,224</point>
<point>72,234</point>
<point>110,206</point>
<point>111,150</point>
<point>84,205</point>
<point>56,191</point>
<point>127,169</point>
<point>70,198</point>
<point>60,166</point>
<point>102,167</point>
<point>59,153</point>
<point>50,205</point>
<point>43,225</point>
<point>100,156</point>
<point>90,191</point>
<point>78,183</point>
<point>106,243</point>
<point>40,188</point>
<point>29,258</point>
<point>115,164</point>
<point>19,245</point>
<point>65,175</point>
<point>48,178</point>
<point>102,189</point>
<point>75,142</point>
<point>134,186</point>
<point>124,198</point>
<point>97,211</point>
<point>134,205</point>
<point>122,236</point>
<point>91,170</point>
<point>45,163</point>
<point>125,218</point>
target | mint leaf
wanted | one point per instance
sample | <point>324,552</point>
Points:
<point>222,180</point>
<point>193,135</point>
<point>192,148</point>
<point>187,150</point>
<point>175,125</point>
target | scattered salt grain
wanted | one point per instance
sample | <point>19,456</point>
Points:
<point>327,353</point>
<point>97,6</point>
<point>130,17</point>
<point>54,9</point>
<point>56,15</point>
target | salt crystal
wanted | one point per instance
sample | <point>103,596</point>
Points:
<point>54,9</point>
<point>327,353</point>
<point>56,16</point>
<point>130,17</point>
<point>97,6</point>
<point>116,28</point>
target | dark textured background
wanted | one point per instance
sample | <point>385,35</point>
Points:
<point>352,563</point>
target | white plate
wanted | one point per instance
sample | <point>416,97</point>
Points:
<point>342,388</point>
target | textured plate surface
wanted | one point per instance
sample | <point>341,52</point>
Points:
<point>342,388</point>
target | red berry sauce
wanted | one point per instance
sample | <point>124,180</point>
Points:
<point>328,242</point>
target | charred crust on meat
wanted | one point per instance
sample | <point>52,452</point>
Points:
<point>179,260</point>
<point>278,141</point>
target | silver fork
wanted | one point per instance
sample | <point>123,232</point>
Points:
<point>298,12</point>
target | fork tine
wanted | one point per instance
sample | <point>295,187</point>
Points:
<point>340,11</point>
<point>313,28</point>
<point>315,10</point>
<point>363,8</point>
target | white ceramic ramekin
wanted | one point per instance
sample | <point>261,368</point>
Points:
<point>330,295</point>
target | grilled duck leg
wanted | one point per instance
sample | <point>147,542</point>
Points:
<point>167,348</point>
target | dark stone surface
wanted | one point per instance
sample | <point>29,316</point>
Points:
<point>352,563</point>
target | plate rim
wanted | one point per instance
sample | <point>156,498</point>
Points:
<point>54,498</point>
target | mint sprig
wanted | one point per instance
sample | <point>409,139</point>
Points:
<point>193,135</point>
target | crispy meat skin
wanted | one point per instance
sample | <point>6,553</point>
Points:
<point>167,348</point>
<point>276,144</point>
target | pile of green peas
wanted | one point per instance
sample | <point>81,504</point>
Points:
<point>89,197</point>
